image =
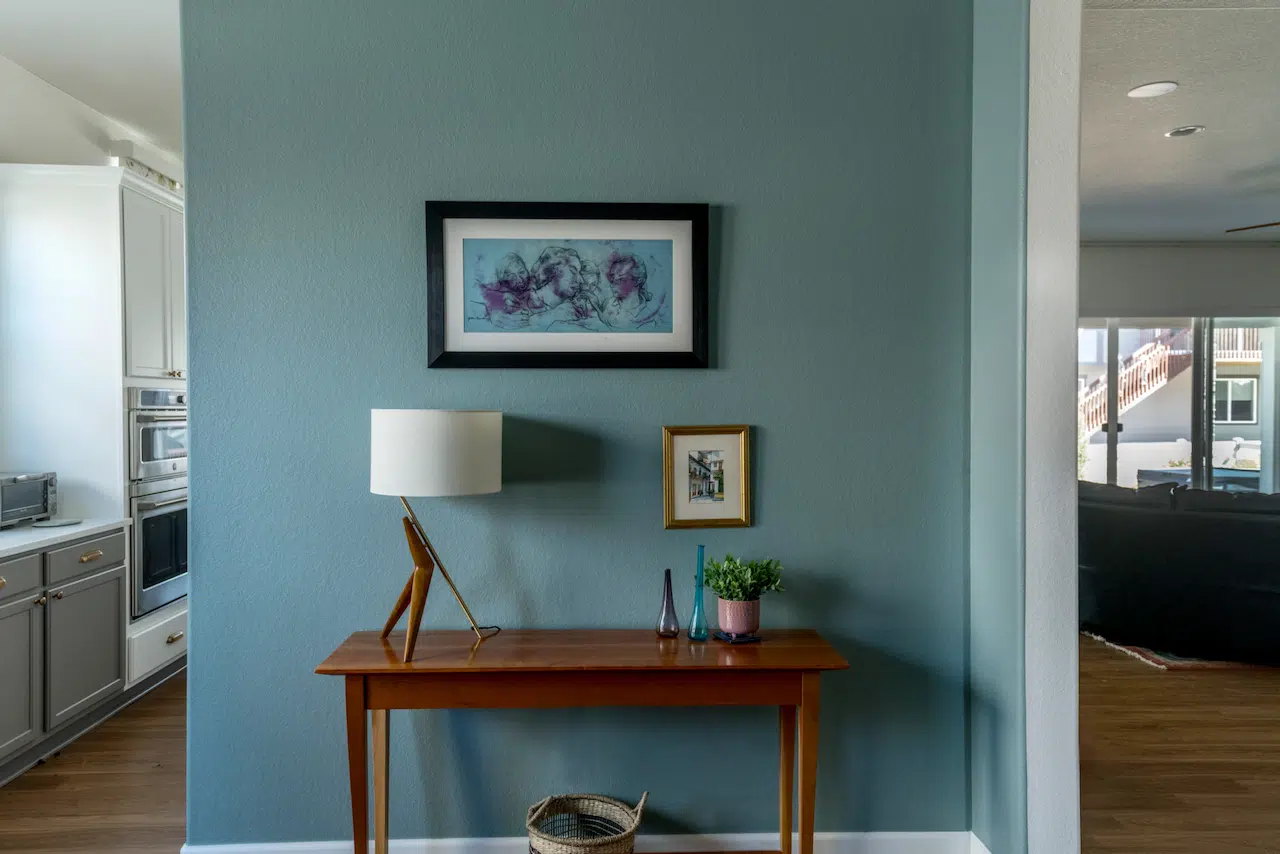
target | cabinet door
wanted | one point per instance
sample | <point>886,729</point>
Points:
<point>84,644</point>
<point>146,274</point>
<point>177,292</point>
<point>21,671</point>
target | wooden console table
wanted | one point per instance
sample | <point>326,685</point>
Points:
<point>535,669</point>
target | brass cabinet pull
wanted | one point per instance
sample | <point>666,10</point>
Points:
<point>175,637</point>
<point>58,595</point>
<point>90,557</point>
<point>3,582</point>
<point>43,600</point>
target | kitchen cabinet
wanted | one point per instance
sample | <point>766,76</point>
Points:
<point>177,292</point>
<point>63,627</point>
<point>155,295</point>
<point>21,672</point>
<point>84,644</point>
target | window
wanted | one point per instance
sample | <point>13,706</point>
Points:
<point>1193,397</point>
<point>1235,400</point>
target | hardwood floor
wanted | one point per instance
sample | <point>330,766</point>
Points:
<point>120,789</point>
<point>1177,762</point>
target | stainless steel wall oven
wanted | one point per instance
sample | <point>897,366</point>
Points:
<point>159,544</point>
<point>158,497</point>
<point>157,433</point>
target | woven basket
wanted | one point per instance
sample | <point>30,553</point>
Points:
<point>583,824</point>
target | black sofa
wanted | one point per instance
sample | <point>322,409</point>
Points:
<point>1182,571</point>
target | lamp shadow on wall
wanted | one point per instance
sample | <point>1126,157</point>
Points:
<point>539,451</point>
<point>545,464</point>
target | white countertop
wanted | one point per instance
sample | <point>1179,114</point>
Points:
<point>24,538</point>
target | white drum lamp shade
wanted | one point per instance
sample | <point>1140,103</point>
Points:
<point>435,452</point>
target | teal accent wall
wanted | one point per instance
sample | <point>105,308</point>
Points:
<point>997,400</point>
<point>832,139</point>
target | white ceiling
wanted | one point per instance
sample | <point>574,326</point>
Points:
<point>121,57</point>
<point>1138,185</point>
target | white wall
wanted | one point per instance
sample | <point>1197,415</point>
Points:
<point>1051,622</point>
<point>40,123</point>
<point>61,325</point>
<point>1179,281</point>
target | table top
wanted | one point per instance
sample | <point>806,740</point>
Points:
<point>549,650</point>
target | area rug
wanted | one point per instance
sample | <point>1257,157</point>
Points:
<point>1168,661</point>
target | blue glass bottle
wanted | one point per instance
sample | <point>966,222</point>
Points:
<point>698,620</point>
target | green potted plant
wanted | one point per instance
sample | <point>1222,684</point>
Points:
<point>738,584</point>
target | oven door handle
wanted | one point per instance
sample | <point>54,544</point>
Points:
<point>147,419</point>
<point>152,505</point>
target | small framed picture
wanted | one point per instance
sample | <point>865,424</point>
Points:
<point>706,476</point>
<point>566,285</point>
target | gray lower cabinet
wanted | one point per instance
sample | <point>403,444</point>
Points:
<point>21,672</point>
<point>84,644</point>
<point>62,638</point>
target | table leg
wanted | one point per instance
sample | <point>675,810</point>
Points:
<point>786,773</point>
<point>808,758</point>
<point>357,761</point>
<point>381,745</point>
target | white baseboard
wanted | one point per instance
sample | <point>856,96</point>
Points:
<point>952,842</point>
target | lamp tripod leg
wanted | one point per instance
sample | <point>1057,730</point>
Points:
<point>444,572</point>
<point>418,598</point>
<point>402,604</point>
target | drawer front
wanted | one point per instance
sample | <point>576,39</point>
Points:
<point>19,576</point>
<point>90,556</point>
<point>157,646</point>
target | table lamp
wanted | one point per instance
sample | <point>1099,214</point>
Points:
<point>431,453</point>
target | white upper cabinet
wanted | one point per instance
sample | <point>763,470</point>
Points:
<point>155,288</point>
<point>177,293</point>
<point>146,271</point>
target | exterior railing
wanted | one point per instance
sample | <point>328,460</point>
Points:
<point>1147,369</point>
<point>1154,364</point>
<point>1093,407</point>
<point>1237,345</point>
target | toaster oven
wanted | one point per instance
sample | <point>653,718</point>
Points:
<point>27,497</point>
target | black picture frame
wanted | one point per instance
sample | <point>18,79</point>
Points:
<point>439,211</point>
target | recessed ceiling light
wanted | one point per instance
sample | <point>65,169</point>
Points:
<point>1185,130</point>
<point>1153,90</point>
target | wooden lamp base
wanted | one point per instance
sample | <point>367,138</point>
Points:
<point>414,595</point>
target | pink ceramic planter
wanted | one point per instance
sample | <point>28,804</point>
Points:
<point>739,618</point>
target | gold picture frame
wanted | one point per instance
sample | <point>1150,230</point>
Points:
<point>692,510</point>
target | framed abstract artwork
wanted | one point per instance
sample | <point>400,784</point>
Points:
<point>566,285</point>
<point>706,476</point>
